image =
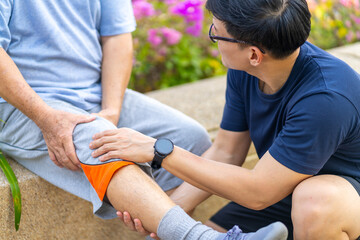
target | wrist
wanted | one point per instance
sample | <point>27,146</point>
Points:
<point>42,116</point>
<point>112,111</point>
<point>111,114</point>
<point>163,147</point>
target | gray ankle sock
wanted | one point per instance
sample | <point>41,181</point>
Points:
<point>177,225</point>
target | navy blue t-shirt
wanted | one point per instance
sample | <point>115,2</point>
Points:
<point>312,124</point>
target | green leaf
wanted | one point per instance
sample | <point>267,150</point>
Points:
<point>15,190</point>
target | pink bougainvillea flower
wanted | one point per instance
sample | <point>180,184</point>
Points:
<point>193,13</point>
<point>346,3</point>
<point>349,37</point>
<point>191,10</point>
<point>195,29</point>
<point>142,9</point>
<point>355,19</point>
<point>358,35</point>
<point>153,37</point>
<point>348,24</point>
<point>171,35</point>
<point>350,3</point>
<point>171,2</point>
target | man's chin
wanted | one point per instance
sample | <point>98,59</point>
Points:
<point>224,63</point>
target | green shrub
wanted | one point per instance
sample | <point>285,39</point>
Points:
<point>172,46</point>
<point>334,23</point>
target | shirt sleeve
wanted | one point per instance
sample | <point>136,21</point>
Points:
<point>313,130</point>
<point>117,17</point>
<point>5,13</point>
<point>234,118</point>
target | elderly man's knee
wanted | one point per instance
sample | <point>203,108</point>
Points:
<point>83,133</point>
<point>197,137</point>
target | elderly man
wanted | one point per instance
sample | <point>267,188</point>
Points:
<point>60,61</point>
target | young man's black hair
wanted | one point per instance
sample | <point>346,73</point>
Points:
<point>279,26</point>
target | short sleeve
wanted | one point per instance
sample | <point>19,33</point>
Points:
<point>314,129</point>
<point>234,118</point>
<point>5,14</point>
<point>117,17</point>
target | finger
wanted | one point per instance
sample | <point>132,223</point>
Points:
<point>128,221</point>
<point>64,160</point>
<point>104,133</point>
<point>105,149</point>
<point>120,215</point>
<point>69,149</point>
<point>53,158</point>
<point>68,164</point>
<point>140,228</point>
<point>110,155</point>
<point>154,236</point>
<point>85,118</point>
<point>101,141</point>
<point>61,158</point>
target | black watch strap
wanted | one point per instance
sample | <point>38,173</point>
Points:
<point>162,148</point>
<point>157,161</point>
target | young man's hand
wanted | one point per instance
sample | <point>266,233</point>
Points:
<point>135,225</point>
<point>57,129</point>
<point>123,143</point>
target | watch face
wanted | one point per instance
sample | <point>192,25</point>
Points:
<point>164,146</point>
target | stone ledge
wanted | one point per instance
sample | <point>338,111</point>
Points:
<point>51,213</point>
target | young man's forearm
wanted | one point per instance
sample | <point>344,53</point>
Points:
<point>213,177</point>
<point>266,184</point>
<point>189,196</point>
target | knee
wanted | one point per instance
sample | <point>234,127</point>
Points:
<point>311,208</point>
<point>198,133</point>
<point>90,128</point>
<point>196,136</point>
<point>83,133</point>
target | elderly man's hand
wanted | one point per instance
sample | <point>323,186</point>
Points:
<point>57,128</point>
<point>123,143</point>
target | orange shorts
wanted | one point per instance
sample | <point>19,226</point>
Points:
<point>99,175</point>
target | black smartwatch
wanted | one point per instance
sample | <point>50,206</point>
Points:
<point>163,147</point>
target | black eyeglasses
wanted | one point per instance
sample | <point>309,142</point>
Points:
<point>214,39</point>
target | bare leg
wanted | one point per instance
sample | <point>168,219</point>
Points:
<point>171,191</point>
<point>326,207</point>
<point>132,190</point>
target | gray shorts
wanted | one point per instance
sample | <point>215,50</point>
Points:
<point>22,140</point>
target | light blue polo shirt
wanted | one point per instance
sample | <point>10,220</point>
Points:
<point>56,44</point>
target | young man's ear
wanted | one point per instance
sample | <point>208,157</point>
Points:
<point>255,56</point>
